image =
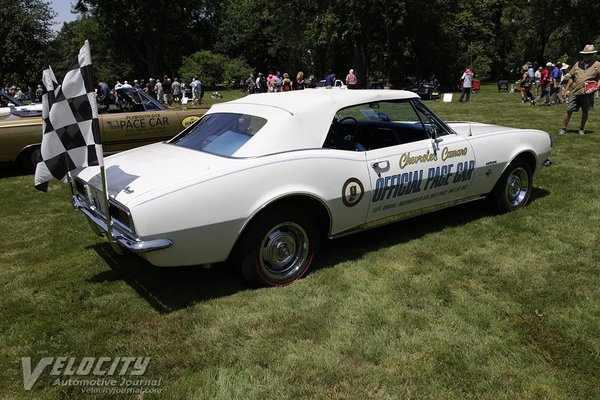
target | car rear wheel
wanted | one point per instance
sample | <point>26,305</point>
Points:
<point>513,189</point>
<point>279,247</point>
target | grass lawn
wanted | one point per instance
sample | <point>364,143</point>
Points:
<point>459,304</point>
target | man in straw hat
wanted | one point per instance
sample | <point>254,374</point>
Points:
<point>585,79</point>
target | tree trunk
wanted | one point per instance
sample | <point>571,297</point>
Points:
<point>359,63</point>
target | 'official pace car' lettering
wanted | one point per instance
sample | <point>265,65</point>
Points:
<point>389,187</point>
<point>438,176</point>
<point>398,185</point>
<point>464,171</point>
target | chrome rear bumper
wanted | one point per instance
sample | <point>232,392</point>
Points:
<point>134,244</point>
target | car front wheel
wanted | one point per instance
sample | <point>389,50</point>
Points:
<point>279,247</point>
<point>513,189</point>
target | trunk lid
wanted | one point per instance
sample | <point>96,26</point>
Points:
<point>152,170</point>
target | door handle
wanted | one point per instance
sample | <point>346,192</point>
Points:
<point>381,166</point>
<point>385,164</point>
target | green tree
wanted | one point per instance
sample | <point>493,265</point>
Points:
<point>388,39</point>
<point>24,36</point>
<point>214,69</point>
<point>108,66</point>
<point>267,33</point>
<point>152,37</point>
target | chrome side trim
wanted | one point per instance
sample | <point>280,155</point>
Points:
<point>133,244</point>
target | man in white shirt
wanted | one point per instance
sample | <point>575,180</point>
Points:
<point>467,84</point>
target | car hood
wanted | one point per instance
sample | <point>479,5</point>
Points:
<point>151,171</point>
<point>478,129</point>
<point>32,109</point>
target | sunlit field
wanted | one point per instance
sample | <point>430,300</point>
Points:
<point>457,304</point>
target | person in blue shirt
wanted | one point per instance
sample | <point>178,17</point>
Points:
<point>330,80</point>
<point>556,87</point>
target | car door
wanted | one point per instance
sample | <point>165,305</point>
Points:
<point>427,167</point>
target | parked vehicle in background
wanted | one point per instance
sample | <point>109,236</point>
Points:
<point>337,85</point>
<point>138,120</point>
<point>427,90</point>
<point>9,104</point>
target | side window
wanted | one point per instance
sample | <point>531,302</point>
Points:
<point>376,125</point>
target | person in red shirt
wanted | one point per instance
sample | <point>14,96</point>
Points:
<point>545,84</point>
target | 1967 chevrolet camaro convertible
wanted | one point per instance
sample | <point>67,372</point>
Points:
<point>262,180</point>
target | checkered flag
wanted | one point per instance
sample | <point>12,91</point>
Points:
<point>71,133</point>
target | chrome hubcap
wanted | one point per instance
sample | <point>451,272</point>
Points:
<point>281,249</point>
<point>517,187</point>
<point>284,250</point>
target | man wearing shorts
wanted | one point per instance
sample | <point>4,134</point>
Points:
<point>585,78</point>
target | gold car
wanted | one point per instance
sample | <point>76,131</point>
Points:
<point>138,120</point>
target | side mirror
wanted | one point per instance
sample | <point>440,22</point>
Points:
<point>432,131</point>
<point>435,140</point>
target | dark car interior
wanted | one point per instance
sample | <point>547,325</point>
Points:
<point>381,124</point>
<point>353,135</point>
<point>132,100</point>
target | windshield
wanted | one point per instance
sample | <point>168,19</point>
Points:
<point>7,100</point>
<point>220,133</point>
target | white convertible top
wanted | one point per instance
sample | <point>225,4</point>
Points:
<point>298,119</point>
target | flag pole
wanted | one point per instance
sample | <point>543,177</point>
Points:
<point>109,236</point>
<point>70,180</point>
<point>100,156</point>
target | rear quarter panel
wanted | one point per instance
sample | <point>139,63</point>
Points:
<point>205,219</point>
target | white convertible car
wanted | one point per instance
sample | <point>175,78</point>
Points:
<point>262,180</point>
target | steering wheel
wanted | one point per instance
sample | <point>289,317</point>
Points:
<point>350,118</point>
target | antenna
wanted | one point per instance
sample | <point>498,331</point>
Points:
<point>472,92</point>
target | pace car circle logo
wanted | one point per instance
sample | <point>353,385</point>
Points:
<point>189,120</point>
<point>352,192</point>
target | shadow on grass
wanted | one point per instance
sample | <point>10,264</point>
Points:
<point>9,170</point>
<point>173,288</point>
<point>170,288</point>
<point>355,246</point>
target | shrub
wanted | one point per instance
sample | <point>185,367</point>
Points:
<point>214,69</point>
